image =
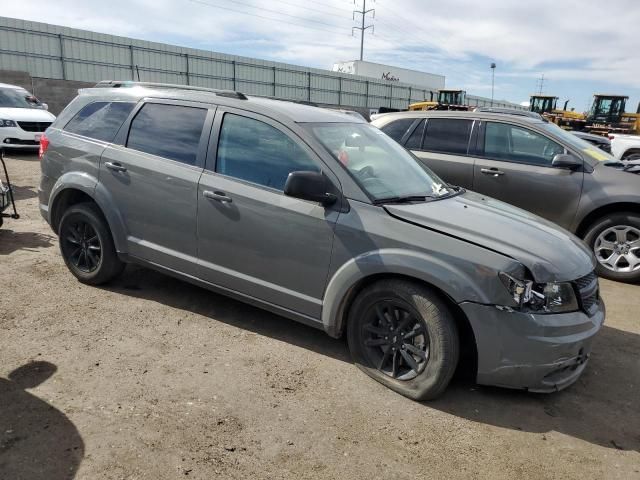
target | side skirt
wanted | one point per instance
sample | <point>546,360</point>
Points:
<point>273,308</point>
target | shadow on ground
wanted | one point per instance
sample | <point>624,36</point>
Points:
<point>601,408</point>
<point>150,285</point>
<point>37,442</point>
<point>11,241</point>
<point>23,155</point>
<point>23,192</point>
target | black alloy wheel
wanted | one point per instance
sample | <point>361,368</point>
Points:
<point>396,340</point>
<point>81,245</point>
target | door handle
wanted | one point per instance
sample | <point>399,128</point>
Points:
<point>115,166</point>
<point>492,171</point>
<point>218,196</point>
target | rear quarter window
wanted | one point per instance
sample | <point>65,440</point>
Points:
<point>100,120</point>
<point>397,128</point>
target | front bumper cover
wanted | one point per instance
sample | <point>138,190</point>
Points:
<point>15,137</point>
<point>539,353</point>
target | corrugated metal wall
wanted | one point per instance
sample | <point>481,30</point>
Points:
<point>51,51</point>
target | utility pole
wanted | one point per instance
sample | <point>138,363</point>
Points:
<point>493,70</point>
<point>540,84</point>
<point>362,27</point>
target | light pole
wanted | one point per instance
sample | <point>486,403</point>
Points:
<point>493,71</point>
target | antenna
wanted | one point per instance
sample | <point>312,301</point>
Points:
<point>362,27</point>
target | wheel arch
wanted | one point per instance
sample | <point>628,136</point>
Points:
<point>630,151</point>
<point>601,212</point>
<point>357,274</point>
<point>74,188</point>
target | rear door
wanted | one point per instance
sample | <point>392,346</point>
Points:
<point>514,165</point>
<point>443,145</point>
<point>152,177</point>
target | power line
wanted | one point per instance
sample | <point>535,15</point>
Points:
<point>313,9</point>
<point>201,2</point>
<point>362,28</point>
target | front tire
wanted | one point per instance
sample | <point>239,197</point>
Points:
<point>87,246</point>
<point>403,335</point>
<point>615,242</point>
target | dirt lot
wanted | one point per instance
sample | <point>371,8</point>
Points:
<point>152,378</point>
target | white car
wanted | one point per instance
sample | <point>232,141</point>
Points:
<point>625,147</point>
<point>23,118</point>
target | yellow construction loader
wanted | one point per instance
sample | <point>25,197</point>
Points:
<point>547,106</point>
<point>448,99</point>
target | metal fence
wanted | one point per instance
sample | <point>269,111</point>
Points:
<point>51,51</point>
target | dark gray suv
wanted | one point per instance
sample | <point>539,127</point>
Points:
<point>534,164</point>
<point>324,219</point>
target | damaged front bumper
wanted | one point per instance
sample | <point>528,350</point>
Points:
<point>539,353</point>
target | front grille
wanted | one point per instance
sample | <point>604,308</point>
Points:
<point>589,293</point>
<point>34,126</point>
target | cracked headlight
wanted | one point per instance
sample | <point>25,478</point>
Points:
<point>541,297</point>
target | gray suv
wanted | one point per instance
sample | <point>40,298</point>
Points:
<point>322,218</point>
<point>534,164</point>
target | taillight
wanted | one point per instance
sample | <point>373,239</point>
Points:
<point>611,137</point>
<point>44,144</point>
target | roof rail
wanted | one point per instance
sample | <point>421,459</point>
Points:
<point>131,83</point>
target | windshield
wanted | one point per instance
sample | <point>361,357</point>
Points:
<point>382,167</point>
<point>17,98</point>
<point>591,152</point>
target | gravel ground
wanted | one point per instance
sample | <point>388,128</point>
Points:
<point>153,378</point>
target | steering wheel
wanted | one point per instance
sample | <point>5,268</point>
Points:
<point>366,173</point>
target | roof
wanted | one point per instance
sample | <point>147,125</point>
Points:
<point>610,95</point>
<point>294,112</point>
<point>15,87</point>
<point>462,114</point>
<point>542,96</point>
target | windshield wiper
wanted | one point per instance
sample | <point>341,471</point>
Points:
<point>403,199</point>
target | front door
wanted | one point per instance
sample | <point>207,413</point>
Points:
<point>152,178</point>
<point>515,167</point>
<point>253,239</point>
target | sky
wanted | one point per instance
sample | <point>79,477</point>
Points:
<point>581,46</point>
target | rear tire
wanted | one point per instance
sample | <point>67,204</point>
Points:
<point>632,156</point>
<point>615,241</point>
<point>404,336</point>
<point>87,246</point>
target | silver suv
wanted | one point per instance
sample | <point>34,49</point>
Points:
<point>534,164</point>
<point>322,218</point>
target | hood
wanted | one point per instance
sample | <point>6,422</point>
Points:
<point>548,251</point>
<point>26,115</point>
<point>628,166</point>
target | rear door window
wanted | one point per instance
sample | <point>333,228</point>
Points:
<point>169,131</point>
<point>398,128</point>
<point>447,135</point>
<point>100,120</point>
<point>503,141</point>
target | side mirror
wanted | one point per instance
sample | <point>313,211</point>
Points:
<point>312,186</point>
<point>565,160</point>
<point>45,106</point>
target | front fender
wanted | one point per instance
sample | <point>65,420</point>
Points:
<point>454,281</point>
<point>89,185</point>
